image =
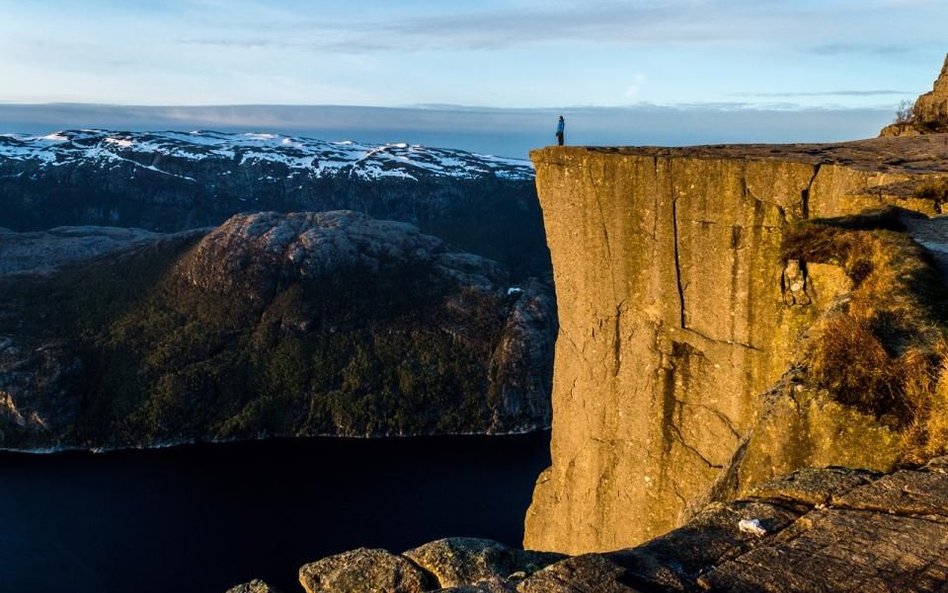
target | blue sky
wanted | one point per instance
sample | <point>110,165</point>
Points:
<point>505,54</point>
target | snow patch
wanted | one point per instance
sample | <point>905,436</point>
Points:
<point>306,156</point>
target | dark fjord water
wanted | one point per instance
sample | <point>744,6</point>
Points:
<point>199,519</point>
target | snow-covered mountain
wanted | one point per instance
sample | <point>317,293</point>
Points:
<point>173,181</point>
<point>302,156</point>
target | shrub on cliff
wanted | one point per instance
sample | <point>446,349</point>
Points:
<point>904,113</point>
<point>884,350</point>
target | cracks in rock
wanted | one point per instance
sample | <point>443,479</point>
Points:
<point>678,494</point>
<point>932,516</point>
<point>582,352</point>
<point>678,280</point>
<point>722,342</point>
<point>605,234</point>
<point>719,414</point>
<point>681,441</point>
<point>617,339</point>
<point>805,194</point>
<point>572,388</point>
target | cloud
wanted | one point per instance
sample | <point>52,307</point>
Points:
<point>836,49</point>
<point>842,93</point>
<point>669,21</point>
<point>684,22</point>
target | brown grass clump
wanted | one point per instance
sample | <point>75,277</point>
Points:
<point>934,190</point>
<point>884,352</point>
<point>927,434</point>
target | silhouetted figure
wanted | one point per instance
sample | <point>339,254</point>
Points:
<point>560,126</point>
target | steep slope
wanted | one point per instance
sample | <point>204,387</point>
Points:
<point>296,324</point>
<point>679,309</point>
<point>170,181</point>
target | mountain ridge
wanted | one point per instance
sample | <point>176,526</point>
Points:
<point>174,181</point>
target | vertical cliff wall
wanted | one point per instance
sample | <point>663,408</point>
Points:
<point>677,313</point>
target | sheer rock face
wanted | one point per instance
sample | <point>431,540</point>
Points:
<point>676,314</point>
<point>933,105</point>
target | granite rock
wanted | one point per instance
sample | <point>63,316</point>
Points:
<point>363,570</point>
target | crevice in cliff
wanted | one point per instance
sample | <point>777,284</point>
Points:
<point>719,414</point>
<point>680,438</point>
<point>617,339</point>
<point>678,280</point>
<point>675,369</point>
<point>805,193</point>
<point>711,340</point>
<point>605,234</point>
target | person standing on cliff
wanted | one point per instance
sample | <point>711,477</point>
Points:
<point>560,127</point>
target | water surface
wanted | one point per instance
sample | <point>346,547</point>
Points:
<point>203,518</point>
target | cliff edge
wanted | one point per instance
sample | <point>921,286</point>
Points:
<point>693,312</point>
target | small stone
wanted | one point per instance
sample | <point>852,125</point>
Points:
<point>254,586</point>
<point>751,526</point>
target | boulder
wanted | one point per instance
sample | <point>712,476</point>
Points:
<point>361,570</point>
<point>254,586</point>
<point>590,573</point>
<point>460,561</point>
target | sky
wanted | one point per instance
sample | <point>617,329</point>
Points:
<point>516,56</point>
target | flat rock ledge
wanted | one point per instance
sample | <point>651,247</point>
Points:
<point>817,529</point>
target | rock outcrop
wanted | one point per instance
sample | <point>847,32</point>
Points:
<point>253,255</point>
<point>829,529</point>
<point>929,114</point>
<point>678,311</point>
<point>297,324</point>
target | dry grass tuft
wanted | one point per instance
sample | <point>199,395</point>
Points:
<point>885,352</point>
<point>935,190</point>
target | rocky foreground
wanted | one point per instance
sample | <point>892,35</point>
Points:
<point>830,529</point>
